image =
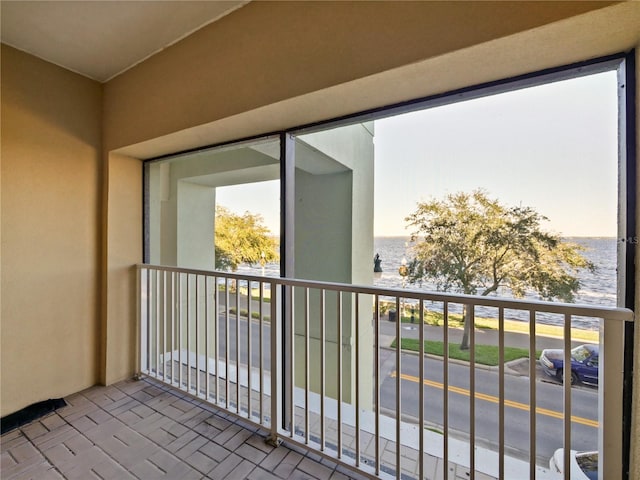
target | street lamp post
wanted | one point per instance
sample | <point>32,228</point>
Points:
<point>403,271</point>
<point>377,268</point>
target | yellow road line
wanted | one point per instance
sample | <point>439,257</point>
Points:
<point>509,403</point>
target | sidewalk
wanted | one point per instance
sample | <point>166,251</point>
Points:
<point>482,336</point>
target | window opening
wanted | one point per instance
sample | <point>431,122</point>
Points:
<point>545,144</point>
<point>240,182</point>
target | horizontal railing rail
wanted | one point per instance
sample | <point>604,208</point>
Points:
<point>327,366</point>
<point>575,309</point>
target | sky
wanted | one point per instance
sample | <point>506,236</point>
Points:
<point>262,198</point>
<point>551,147</point>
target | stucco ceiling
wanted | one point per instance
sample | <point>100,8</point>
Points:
<point>101,39</point>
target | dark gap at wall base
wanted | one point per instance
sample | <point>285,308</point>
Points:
<point>29,414</point>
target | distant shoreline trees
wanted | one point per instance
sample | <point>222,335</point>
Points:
<point>242,239</point>
<point>474,245</point>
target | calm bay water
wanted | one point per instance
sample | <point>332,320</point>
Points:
<point>597,288</point>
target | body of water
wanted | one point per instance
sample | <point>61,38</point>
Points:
<point>596,288</point>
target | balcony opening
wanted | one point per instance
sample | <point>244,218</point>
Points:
<point>373,338</point>
<point>185,192</point>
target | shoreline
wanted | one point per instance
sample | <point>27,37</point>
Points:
<point>434,318</point>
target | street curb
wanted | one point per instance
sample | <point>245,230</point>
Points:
<point>507,366</point>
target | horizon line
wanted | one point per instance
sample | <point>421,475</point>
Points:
<point>611,237</point>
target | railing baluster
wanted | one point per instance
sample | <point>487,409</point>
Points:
<point>276,363</point>
<point>339,370</point>
<point>164,326</point>
<point>421,392</point>
<point>140,333</point>
<point>357,379</point>
<point>207,321</point>
<point>197,338</point>
<point>238,401</point>
<point>157,330</point>
<point>566,391</point>
<point>249,350</point>
<point>472,391</point>
<point>226,342</point>
<point>445,389</point>
<point>376,384</point>
<point>322,365</point>
<point>532,394</point>
<point>216,339</point>
<point>307,366</point>
<point>173,326</point>
<point>188,292</point>
<point>180,276</point>
<point>149,303</point>
<point>292,364</point>
<point>610,398</point>
<point>260,349</point>
<point>399,306</point>
<point>141,328</point>
<point>501,392</point>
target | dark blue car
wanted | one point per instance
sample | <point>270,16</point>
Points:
<point>584,364</point>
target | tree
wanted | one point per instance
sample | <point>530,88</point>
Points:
<point>472,244</point>
<point>242,239</point>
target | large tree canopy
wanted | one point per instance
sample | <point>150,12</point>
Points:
<point>242,239</point>
<point>472,244</point>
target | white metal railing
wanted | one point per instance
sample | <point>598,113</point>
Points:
<point>320,365</point>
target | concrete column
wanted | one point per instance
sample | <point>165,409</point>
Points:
<point>195,225</point>
<point>334,242</point>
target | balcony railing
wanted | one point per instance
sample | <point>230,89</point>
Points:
<point>320,365</point>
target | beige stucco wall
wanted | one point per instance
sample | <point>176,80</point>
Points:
<point>267,52</point>
<point>122,249</point>
<point>51,136</point>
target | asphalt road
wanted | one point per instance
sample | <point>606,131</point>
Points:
<point>549,396</point>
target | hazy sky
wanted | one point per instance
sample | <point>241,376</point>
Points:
<point>552,147</point>
<point>259,197</point>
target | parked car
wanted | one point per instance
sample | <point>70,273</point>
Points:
<point>583,465</point>
<point>584,363</point>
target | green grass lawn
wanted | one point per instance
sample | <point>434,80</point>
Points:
<point>484,354</point>
<point>255,293</point>
<point>254,315</point>
<point>455,321</point>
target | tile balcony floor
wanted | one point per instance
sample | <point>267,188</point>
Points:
<point>145,430</point>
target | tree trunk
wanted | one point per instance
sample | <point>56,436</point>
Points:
<point>466,314</point>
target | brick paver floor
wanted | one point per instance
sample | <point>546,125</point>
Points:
<point>142,429</point>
